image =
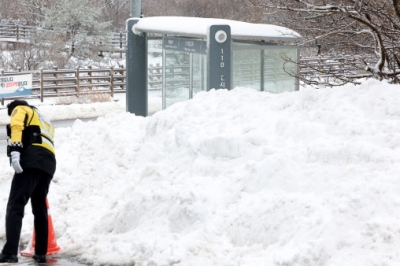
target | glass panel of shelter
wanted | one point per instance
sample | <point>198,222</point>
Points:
<point>264,67</point>
<point>185,75</point>
<point>199,73</point>
<point>280,69</point>
<point>154,76</point>
<point>246,70</point>
<point>260,66</point>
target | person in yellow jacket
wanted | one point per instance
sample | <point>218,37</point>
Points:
<point>31,152</point>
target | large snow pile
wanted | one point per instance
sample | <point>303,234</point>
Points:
<point>233,178</point>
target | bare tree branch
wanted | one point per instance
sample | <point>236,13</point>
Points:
<point>342,24</point>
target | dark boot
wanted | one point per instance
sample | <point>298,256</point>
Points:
<point>39,258</point>
<point>4,258</point>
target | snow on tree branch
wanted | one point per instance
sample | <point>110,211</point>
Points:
<point>340,25</point>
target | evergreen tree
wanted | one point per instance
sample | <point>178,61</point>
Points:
<point>78,23</point>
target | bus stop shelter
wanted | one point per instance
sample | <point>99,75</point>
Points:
<point>200,54</point>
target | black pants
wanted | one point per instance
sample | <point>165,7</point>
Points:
<point>30,184</point>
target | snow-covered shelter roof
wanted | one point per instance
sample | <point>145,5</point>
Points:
<point>198,27</point>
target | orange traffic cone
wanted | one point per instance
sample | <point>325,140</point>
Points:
<point>52,247</point>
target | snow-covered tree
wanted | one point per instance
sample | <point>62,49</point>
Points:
<point>79,23</point>
<point>27,11</point>
<point>117,11</point>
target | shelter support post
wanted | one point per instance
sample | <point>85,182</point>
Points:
<point>136,71</point>
<point>136,8</point>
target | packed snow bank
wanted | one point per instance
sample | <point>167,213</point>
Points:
<point>233,178</point>
<point>73,111</point>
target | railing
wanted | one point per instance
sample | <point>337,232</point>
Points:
<point>73,82</point>
<point>176,76</point>
<point>318,69</point>
<point>16,32</point>
<point>327,69</point>
<point>13,32</point>
<point>81,81</point>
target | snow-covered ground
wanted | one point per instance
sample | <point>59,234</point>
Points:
<point>62,112</point>
<point>241,178</point>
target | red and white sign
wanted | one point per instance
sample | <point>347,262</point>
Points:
<point>10,84</point>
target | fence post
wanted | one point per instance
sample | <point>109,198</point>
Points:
<point>17,32</point>
<point>90,77</point>
<point>341,65</point>
<point>77,81</point>
<point>56,77</point>
<point>120,45</point>
<point>172,73</point>
<point>41,85</point>
<point>159,76</point>
<point>122,72</point>
<point>112,81</point>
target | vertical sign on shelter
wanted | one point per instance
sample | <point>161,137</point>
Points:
<point>219,61</point>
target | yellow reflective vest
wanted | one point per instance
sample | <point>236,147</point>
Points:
<point>23,120</point>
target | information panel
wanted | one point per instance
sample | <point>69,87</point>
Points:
<point>185,45</point>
